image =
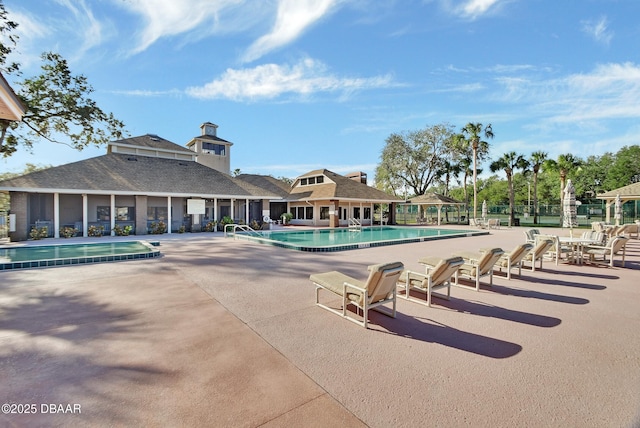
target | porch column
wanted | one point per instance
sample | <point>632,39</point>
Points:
<point>233,202</point>
<point>215,209</point>
<point>334,213</point>
<point>246,211</point>
<point>112,218</point>
<point>168,214</point>
<point>85,214</point>
<point>56,215</point>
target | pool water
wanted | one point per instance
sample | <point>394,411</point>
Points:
<point>321,240</point>
<point>70,254</point>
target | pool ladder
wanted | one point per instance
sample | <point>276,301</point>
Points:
<point>354,225</point>
<point>241,227</point>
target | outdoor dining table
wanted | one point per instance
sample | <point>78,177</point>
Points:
<point>577,244</point>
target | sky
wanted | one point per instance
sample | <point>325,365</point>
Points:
<point>298,85</point>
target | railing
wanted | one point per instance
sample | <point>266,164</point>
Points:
<point>241,227</point>
<point>354,225</point>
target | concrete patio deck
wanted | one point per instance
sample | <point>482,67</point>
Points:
<point>220,332</point>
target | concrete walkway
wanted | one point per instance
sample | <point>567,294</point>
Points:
<point>220,332</point>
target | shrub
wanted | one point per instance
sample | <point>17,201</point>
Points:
<point>39,232</point>
<point>122,231</point>
<point>158,228</point>
<point>210,226</point>
<point>68,232</point>
<point>95,231</point>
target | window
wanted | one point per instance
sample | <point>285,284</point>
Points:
<point>320,179</point>
<point>356,212</point>
<point>367,212</point>
<point>214,149</point>
<point>311,180</point>
<point>157,213</point>
<point>309,215</point>
<point>122,213</point>
<point>324,213</point>
<point>303,182</point>
<point>302,213</point>
<point>104,213</point>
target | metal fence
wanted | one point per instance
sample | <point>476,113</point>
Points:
<point>4,225</point>
<point>548,214</point>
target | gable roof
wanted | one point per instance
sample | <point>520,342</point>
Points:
<point>337,187</point>
<point>128,174</point>
<point>434,199</point>
<point>151,141</point>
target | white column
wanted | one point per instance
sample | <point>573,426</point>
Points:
<point>246,211</point>
<point>168,214</point>
<point>233,201</point>
<point>56,215</point>
<point>215,209</point>
<point>113,214</point>
<point>85,213</point>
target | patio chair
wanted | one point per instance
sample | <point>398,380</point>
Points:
<point>477,222</point>
<point>377,290</point>
<point>514,259</point>
<point>438,276</point>
<point>493,223</point>
<point>613,247</point>
<point>530,235</point>
<point>538,252</point>
<point>477,265</point>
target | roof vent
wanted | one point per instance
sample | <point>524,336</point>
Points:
<point>132,159</point>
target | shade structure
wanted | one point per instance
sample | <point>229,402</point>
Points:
<point>484,209</point>
<point>618,210</point>
<point>569,209</point>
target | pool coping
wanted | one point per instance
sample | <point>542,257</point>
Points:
<point>32,264</point>
<point>352,246</point>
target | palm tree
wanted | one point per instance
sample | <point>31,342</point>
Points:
<point>537,159</point>
<point>565,165</point>
<point>509,162</point>
<point>480,149</point>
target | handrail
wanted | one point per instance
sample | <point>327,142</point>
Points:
<point>242,227</point>
<point>354,224</point>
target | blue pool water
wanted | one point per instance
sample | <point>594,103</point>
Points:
<point>318,240</point>
<point>71,254</point>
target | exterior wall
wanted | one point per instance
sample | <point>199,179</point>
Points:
<point>19,203</point>
<point>219,163</point>
<point>70,210</point>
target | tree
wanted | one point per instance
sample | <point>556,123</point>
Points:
<point>565,166</point>
<point>625,169</point>
<point>480,149</point>
<point>536,160</point>
<point>414,158</point>
<point>509,162</point>
<point>58,105</point>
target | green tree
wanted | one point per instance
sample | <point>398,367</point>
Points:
<point>414,158</point>
<point>479,148</point>
<point>536,160</point>
<point>509,162</point>
<point>625,168</point>
<point>58,105</point>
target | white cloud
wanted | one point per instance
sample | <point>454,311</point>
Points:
<point>292,19</point>
<point>473,9</point>
<point>598,30</point>
<point>84,22</point>
<point>269,81</point>
<point>165,18</point>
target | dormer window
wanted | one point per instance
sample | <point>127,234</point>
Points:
<point>312,180</point>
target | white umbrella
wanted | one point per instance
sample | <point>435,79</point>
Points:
<point>569,209</point>
<point>618,211</point>
<point>484,209</point>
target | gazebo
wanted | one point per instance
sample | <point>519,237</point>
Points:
<point>437,200</point>
<point>627,193</point>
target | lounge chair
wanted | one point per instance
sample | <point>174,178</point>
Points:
<point>558,249</point>
<point>377,290</point>
<point>493,223</point>
<point>538,252</point>
<point>477,265</point>
<point>438,276</point>
<point>514,259</point>
<point>477,222</point>
<point>613,247</point>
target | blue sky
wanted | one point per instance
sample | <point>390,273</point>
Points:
<point>298,85</point>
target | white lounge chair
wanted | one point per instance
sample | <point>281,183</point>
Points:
<point>613,247</point>
<point>377,290</point>
<point>438,276</point>
<point>477,265</point>
<point>514,259</point>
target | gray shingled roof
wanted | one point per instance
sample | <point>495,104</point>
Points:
<point>121,173</point>
<point>267,182</point>
<point>631,191</point>
<point>434,199</point>
<point>154,141</point>
<point>342,188</point>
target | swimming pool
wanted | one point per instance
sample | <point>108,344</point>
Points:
<point>323,240</point>
<point>74,254</point>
